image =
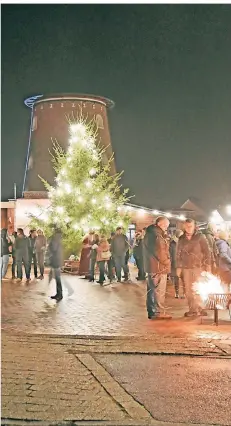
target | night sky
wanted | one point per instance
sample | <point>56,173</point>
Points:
<point>168,69</point>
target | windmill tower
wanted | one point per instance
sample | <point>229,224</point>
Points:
<point>49,122</point>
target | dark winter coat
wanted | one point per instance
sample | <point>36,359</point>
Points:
<point>173,251</point>
<point>56,251</point>
<point>4,242</point>
<point>224,262</point>
<point>212,245</point>
<point>194,253</point>
<point>119,245</point>
<point>22,248</point>
<point>156,251</point>
<point>32,242</point>
<point>138,249</point>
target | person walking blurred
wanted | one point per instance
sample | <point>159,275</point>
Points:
<point>56,258</point>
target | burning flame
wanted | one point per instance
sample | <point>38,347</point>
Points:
<point>208,284</point>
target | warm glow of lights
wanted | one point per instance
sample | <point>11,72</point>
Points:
<point>141,212</point>
<point>108,206</point>
<point>216,218</point>
<point>168,215</point>
<point>44,217</point>
<point>208,284</point>
<point>63,172</point>
<point>228,209</point>
<point>80,199</point>
<point>93,201</point>
<point>88,184</point>
<point>92,172</point>
<point>76,226</point>
<point>59,192</point>
<point>78,127</point>
<point>182,217</point>
<point>155,212</point>
<point>119,209</point>
<point>60,209</point>
<point>67,188</point>
<point>74,139</point>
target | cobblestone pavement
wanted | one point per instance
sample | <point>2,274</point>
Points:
<point>53,380</point>
<point>91,310</point>
<point>50,373</point>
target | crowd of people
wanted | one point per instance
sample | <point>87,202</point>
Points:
<point>25,251</point>
<point>28,251</point>
<point>182,256</point>
<point>111,255</point>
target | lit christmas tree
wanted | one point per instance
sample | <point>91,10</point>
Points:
<point>86,197</point>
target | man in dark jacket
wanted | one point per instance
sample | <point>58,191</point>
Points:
<point>157,265</point>
<point>32,254</point>
<point>193,257</point>
<point>22,254</point>
<point>119,248</point>
<point>5,243</point>
<point>56,260</point>
<point>138,255</point>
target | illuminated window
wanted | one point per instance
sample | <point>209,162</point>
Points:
<point>34,123</point>
<point>99,121</point>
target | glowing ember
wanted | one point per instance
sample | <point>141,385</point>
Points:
<point>208,284</point>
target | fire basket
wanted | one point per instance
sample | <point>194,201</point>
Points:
<point>217,302</point>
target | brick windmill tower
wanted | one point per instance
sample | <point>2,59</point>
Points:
<point>49,122</point>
